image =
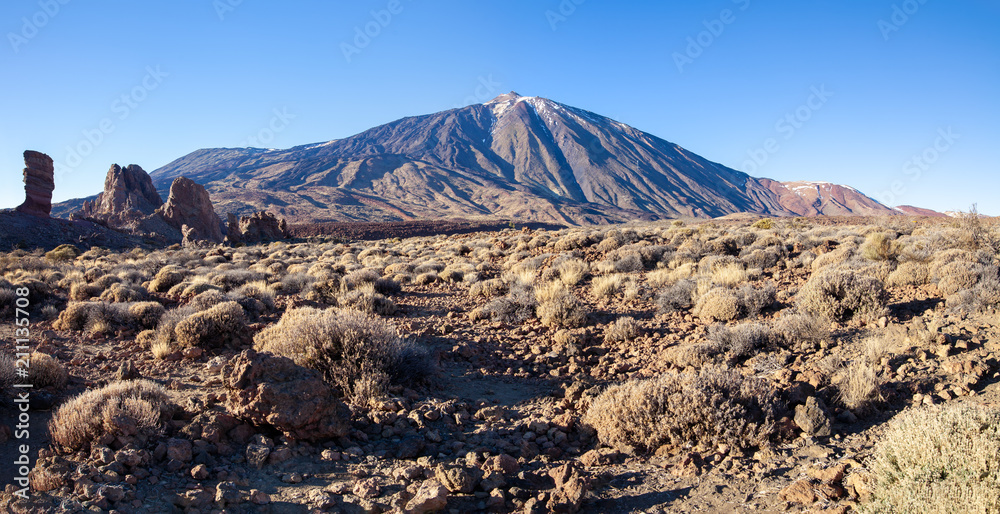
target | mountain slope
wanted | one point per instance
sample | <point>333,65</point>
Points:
<point>517,157</point>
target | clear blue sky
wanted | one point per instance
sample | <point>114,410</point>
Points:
<point>895,86</point>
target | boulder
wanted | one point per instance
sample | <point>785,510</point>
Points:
<point>269,390</point>
<point>258,227</point>
<point>812,419</point>
<point>39,182</point>
<point>189,204</point>
<point>432,496</point>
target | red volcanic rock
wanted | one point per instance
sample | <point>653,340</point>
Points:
<point>262,226</point>
<point>128,194</point>
<point>270,390</point>
<point>38,184</point>
<point>189,204</point>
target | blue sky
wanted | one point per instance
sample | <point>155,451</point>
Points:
<point>906,107</point>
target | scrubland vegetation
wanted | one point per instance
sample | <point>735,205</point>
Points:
<point>386,375</point>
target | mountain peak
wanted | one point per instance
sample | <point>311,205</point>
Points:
<point>504,98</point>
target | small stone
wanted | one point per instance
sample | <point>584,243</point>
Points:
<point>258,497</point>
<point>292,478</point>
<point>257,454</point>
<point>179,449</point>
<point>228,493</point>
<point>811,418</point>
<point>199,472</point>
<point>799,492</point>
<point>192,353</point>
<point>367,488</point>
<point>432,496</point>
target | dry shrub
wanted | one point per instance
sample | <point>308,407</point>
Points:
<point>63,253</point>
<point>196,288</point>
<point>231,279</point>
<point>909,273</point>
<point>558,306</point>
<point>938,460</point>
<point>959,275</point>
<point>714,406</point>
<point>742,341</point>
<point>517,306</point>
<point>223,325</point>
<point>134,409</point>
<point>798,327</point>
<point>880,246</point>
<point>678,296</point>
<point>146,339</point>
<point>45,370</point>
<point>660,277</point>
<point>346,346</point>
<point>842,295</point>
<point>488,288</point>
<point>730,275</point>
<point>573,271</point>
<point>606,286</point>
<point>718,304</point>
<point>859,386</point>
<point>146,314</point>
<point>622,330</point>
<point>365,299</point>
<point>427,278</point>
<point>81,291</point>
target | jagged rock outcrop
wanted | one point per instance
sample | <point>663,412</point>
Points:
<point>269,390</point>
<point>128,195</point>
<point>258,227</point>
<point>189,204</point>
<point>39,181</point>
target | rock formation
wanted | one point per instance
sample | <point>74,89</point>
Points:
<point>258,227</point>
<point>128,195</point>
<point>189,204</point>
<point>38,184</point>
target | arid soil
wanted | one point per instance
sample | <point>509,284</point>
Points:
<point>516,338</point>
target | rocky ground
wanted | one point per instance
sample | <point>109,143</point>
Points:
<point>498,423</point>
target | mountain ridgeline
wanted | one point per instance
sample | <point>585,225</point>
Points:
<point>517,157</point>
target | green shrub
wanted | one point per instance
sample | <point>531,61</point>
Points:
<point>764,224</point>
